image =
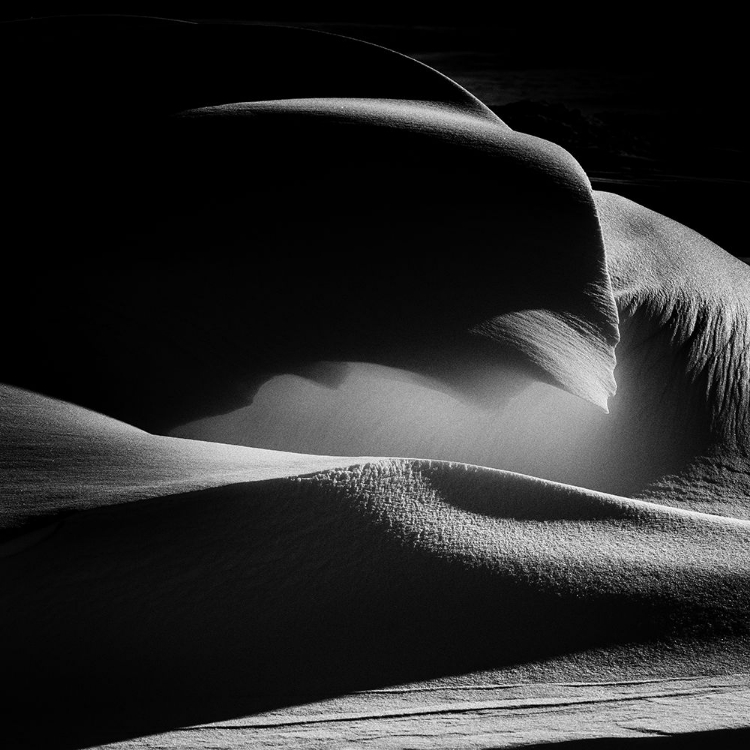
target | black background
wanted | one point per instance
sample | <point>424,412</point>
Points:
<point>651,103</point>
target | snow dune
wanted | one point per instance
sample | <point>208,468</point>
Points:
<point>193,597</point>
<point>500,555</point>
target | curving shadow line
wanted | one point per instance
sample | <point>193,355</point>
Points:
<point>221,603</point>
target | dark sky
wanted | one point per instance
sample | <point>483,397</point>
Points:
<point>522,34</point>
<point>628,30</point>
<point>677,82</point>
<point>688,49</point>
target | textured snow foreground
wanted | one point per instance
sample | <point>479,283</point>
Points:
<point>590,578</point>
<point>713,712</point>
<point>528,611</point>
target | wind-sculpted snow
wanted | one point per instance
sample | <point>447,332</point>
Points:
<point>329,261</point>
<point>685,324</point>
<point>682,376</point>
<point>59,459</point>
<point>682,288</point>
<point>233,599</point>
<point>389,182</point>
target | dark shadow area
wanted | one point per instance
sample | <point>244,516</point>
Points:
<point>228,602</point>
<point>691,167</point>
<point>161,269</point>
<point>183,65</point>
<point>165,267</point>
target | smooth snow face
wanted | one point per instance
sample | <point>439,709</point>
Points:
<point>59,459</point>
<point>251,596</point>
<point>204,580</point>
<point>682,374</point>
<point>529,427</point>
